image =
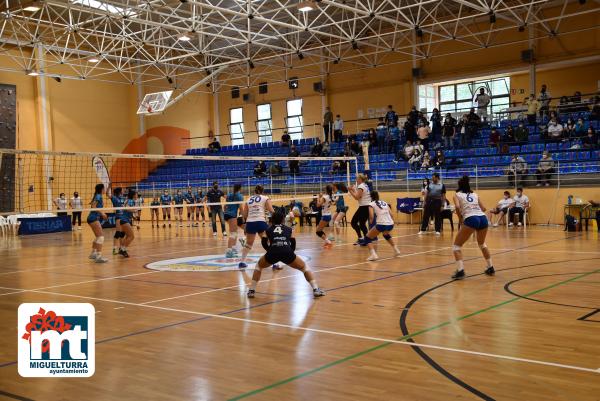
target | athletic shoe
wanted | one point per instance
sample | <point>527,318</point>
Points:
<point>511,224</point>
<point>138,227</point>
<point>422,232</point>
<point>100,259</point>
<point>169,224</point>
<point>115,252</point>
<point>490,271</point>
<point>164,225</point>
<point>92,256</point>
<point>251,293</point>
<point>242,265</point>
<point>519,224</point>
<point>79,228</point>
<point>372,257</point>
<point>547,185</point>
<point>203,224</point>
<point>358,242</point>
<point>180,225</point>
<point>123,253</point>
<point>317,292</point>
<point>538,185</point>
<point>214,234</point>
<point>331,238</point>
<point>188,225</point>
<point>437,233</point>
<point>277,267</point>
<point>229,253</point>
<point>458,275</point>
<point>495,225</point>
<point>225,234</point>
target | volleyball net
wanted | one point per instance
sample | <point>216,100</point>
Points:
<point>32,181</point>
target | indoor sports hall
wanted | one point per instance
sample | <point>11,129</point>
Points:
<point>296,200</point>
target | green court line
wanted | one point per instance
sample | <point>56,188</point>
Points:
<point>406,337</point>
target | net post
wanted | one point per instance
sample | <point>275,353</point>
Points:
<point>294,178</point>
<point>271,182</point>
<point>348,173</point>
<point>558,174</point>
<point>407,183</point>
<point>21,190</point>
<point>249,192</point>
<point>320,182</point>
<point>376,180</point>
<point>476,178</point>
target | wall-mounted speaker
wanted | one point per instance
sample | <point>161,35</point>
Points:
<point>527,56</point>
<point>235,93</point>
<point>318,87</point>
<point>246,97</point>
<point>263,88</point>
<point>417,73</point>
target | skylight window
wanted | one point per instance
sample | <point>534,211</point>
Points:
<point>99,5</point>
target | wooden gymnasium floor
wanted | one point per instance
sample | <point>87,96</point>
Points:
<point>532,332</point>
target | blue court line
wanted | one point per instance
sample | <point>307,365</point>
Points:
<point>295,296</point>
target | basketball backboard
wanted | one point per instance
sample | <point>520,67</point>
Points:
<point>154,102</point>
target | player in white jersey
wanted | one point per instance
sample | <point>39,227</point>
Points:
<point>380,218</point>
<point>325,202</point>
<point>471,212</point>
<point>254,214</point>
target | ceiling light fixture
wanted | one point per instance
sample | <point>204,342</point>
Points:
<point>184,37</point>
<point>32,73</point>
<point>93,60</point>
<point>32,9</point>
<point>300,55</point>
<point>306,6</point>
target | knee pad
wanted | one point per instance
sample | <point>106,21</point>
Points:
<point>117,236</point>
<point>483,246</point>
<point>320,233</point>
<point>366,240</point>
<point>456,247</point>
<point>387,236</point>
<point>99,240</point>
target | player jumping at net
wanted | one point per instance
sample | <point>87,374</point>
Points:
<point>380,218</point>
<point>190,209</point>
<point>166,200</point>
<point>280,246</point>
<point>126,220</point>
<point>232,208</point>
<point>254,214</point>
<point>178,200</point>
<point>94,220</point>
<point>471,212</point>
<point>117,199</point>
<point>340,210</point>
<point>325,201</point>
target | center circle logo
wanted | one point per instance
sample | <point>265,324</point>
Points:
<point>206,263</point>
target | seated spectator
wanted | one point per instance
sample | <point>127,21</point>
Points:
<point>439,159</point>
<point>501,209</point>
<point>406,153</point>
<point>580,128</point>
<point>555,130</point>
<point>563,105</point>
<point>347,151</point>
<point>418,146</point>
<point>380,124</point>
<point>447,213</point>
<point>317,149</point>
<point>313,211</point>
<point>415,159</point>
<point>336,167</point>
<point>355,147</point>
<point>214,146</point>
<point>285,139</point>
<point>519,206</point>
<point>554,114</point>
<point>449,131</point>
<point>521,133</point>
<point>517,168</point>
<point>494,140</point>
<point>578,105</point>
<point>426,161</point>
<point>545,169</point>
<point>275,169</point>
<point>569,129</point>
<point>591,140</point>
<point>260,169</point>
<point>326,149</point>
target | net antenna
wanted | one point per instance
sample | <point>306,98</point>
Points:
<point>154,103</point>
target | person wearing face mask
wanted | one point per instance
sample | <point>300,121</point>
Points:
<point>521,133</point>
<point>501,209</point>
<point>449,131</point>
<point>178,199</point>
<point>545,169</point>
<point>591,139</point>
<point>580,128</point>
<point>166,200</point>
<point>61,205</point>
<point>555,130</point>
<point>544,99</point>
<point>76,205</point>
<point>532,109</point>
<point>519,205</point>
<point>214,196</point>
<point>517,169</point>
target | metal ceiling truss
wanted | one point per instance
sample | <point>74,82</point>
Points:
<point>245,42</point>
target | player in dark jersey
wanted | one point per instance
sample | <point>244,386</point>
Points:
<point>117,199</point>
<point>178,200</point>
<point>199,198</point>
<point>126,220</point>
<point>166,200</point>
<point>280,246</point>
<point>188,198</point>
<point>154,211</point>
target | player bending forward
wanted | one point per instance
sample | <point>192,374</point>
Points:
<point>280,246</point>
<point>381,215</point>
<point>470,211</point>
